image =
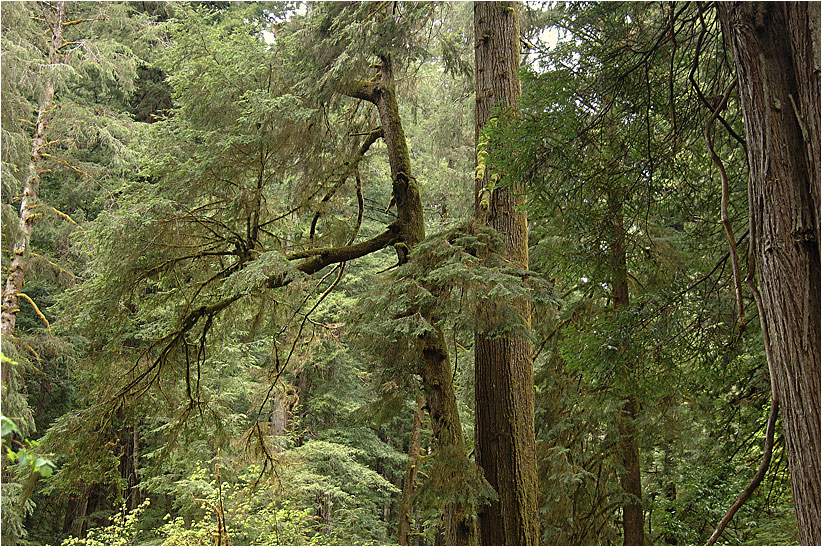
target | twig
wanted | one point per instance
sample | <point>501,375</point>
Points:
<point>36,309</point>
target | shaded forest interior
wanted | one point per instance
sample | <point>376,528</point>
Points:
<point>415,273</point>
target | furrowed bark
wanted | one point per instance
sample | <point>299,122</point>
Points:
<point>776,50</point>
<point>504,376</point>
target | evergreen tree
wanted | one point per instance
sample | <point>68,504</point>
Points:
<point>778,76</point>
<point>503,366</point>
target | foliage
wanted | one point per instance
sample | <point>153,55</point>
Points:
<point>204,151</point>
<point>121,531</point>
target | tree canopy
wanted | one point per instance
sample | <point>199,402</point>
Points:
<point>429,273</point>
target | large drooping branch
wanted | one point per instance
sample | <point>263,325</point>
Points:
<point>313,261</point>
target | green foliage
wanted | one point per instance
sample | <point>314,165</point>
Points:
<point>121,531</point>
<point>201,147</point>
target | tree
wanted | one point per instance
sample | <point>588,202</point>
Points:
<point>776,50</point>
<point>55,19</point>
<point>504,376</point>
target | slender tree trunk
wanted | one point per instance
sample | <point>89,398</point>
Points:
<point>324,505</point>
<point>410,483</point>
<point>504,376</point>
<point>776,50</point>
<point>633,518</point>
<point>31,186</point>
<point>435,371</point>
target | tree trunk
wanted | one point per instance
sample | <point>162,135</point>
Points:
<point>31,186</point>
<point>410,483</point>
<point>441,401</point>
<point>504,376</point>
<point>776,50</point>
<point>435,371</point>
<point>324,506</point>
<point>633,517</point>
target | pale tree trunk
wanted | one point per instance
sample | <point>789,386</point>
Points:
<point>410,483</point>
<point>504,376</point>
<point>776,50</point>
<point>31,186</point>
<point>633,517</point>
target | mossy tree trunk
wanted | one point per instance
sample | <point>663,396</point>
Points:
<point>776,50</point>
<point>504,376</point>
<point>31,187</point>
<point>435,369</point>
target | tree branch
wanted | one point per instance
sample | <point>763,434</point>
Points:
<point>760,474</point>
<point>315,260</point>
<point>726,221</point>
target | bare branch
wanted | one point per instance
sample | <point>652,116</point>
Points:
<point>757,478</point>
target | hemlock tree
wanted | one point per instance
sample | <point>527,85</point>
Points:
<point>504,376</point>
<point>776,50</point>
<point>55,18</point>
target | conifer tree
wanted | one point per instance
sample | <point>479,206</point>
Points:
<point>504,376</point>
<point>776,50</point>
<point>55,18</point>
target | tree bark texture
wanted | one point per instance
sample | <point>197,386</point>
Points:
<point>776,50</point>
<point>435,370</point>
<point>410,482</point>
<point>504,376</point>
<point>633,517</point>
<point>406,191</point>
<point>31,187</point>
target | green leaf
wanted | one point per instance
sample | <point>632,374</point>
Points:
<point>8,427</point>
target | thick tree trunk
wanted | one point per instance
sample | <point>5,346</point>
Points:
<point>504,376</point>
<point>776,50</point>
<point>633,517</point>
<point>441,401</point>
<point>31,187</point>
<point>410,483</point>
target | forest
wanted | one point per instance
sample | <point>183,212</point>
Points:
<point>410,273</point>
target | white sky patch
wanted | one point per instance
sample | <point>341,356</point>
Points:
<point>550,36</point>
